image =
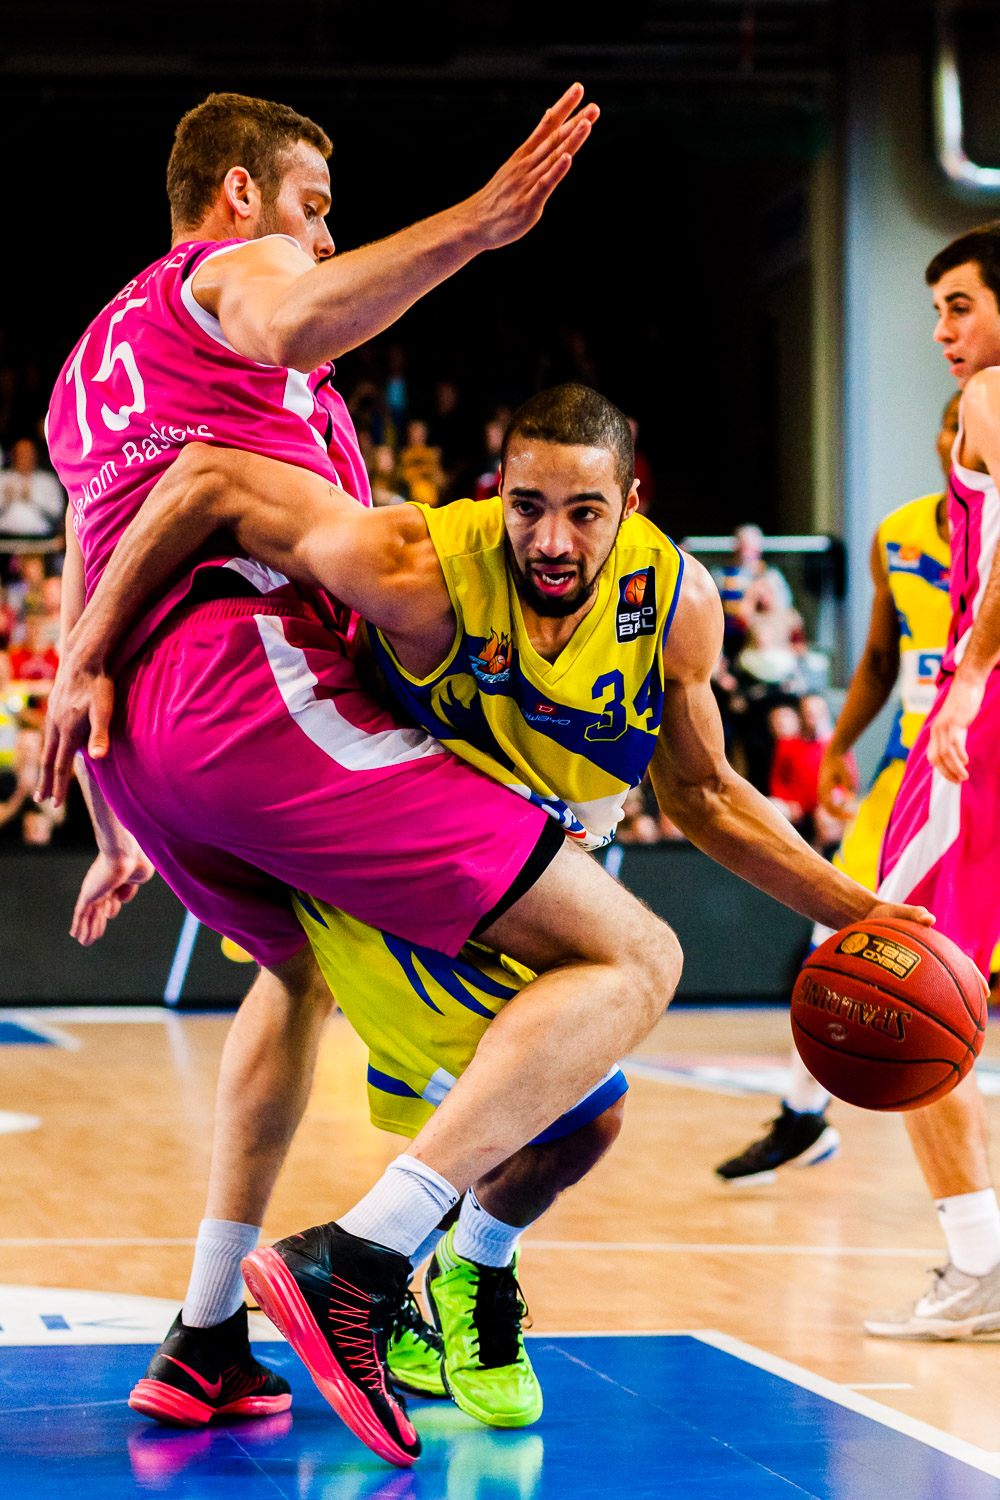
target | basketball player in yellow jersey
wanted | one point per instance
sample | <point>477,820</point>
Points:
<point>907,633</point>
<point>560,642</point>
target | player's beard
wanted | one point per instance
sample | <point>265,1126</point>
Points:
<point>543,604</point>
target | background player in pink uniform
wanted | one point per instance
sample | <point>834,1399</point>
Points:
<point>942,845</point>
<point>248,760</point>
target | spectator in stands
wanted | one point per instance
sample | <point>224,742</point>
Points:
<point>643,473</point>
<point>745,568</point>
<point>52,607</point>
<point>31,501</point>
<point>387,487</point>
<point>794,777</point>
<point>8,620</point>
<point>34,660</point>
<point>17,785</point>
<point>768,672</point>
<point>774,638</point>
<point>801,734</point>
<point>420,465</point>
<point>454,438</point>
<point>638,826</point>
<point>488,483</point>
<point>397,396</point>
<point>26,589</point>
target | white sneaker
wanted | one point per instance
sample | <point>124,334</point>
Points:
<point>957,1306</point>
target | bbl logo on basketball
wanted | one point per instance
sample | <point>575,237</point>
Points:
<point>636,613</point>
<point>884,953</point>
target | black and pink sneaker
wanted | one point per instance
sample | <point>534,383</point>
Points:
<point>200,1373</point>
<point>336,1298</point>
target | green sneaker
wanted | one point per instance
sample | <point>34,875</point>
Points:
<point>416,1352</point>
<point>478,1311</point>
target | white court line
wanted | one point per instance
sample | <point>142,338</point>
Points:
<point>877,1385</point>
<point>40,1023</point>
<point>840,1395</point>
<point>933,1437</point>
<point>605,1247</point>
<point>93,1015</point>
<point>611,1247</point>
<point>81,1243</point>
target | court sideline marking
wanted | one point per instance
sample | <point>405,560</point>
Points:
<point>604,1247</point>
<point>840,1395</point>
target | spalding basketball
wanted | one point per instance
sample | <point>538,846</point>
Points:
<point>889,1014</point>
<point>635,589</point>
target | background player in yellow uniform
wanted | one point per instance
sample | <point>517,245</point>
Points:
<point>907,633</point>
<point>548,637</point>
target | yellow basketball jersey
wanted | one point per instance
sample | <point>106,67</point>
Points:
<point>571,735</point>
<point>917,561</point>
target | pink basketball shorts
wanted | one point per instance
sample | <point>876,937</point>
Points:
<point>942,846</point>
<point>246,759</point>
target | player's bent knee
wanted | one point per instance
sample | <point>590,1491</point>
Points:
<point>653,960</point>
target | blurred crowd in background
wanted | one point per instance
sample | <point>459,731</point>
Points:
<point>430,438</point>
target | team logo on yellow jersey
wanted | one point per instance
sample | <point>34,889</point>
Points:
<point>636,614</point>
<point>493,662</point>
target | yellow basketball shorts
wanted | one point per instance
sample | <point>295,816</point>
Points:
<point>421,1015</point>
<point>859,848</point>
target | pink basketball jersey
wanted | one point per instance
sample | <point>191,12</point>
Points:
<point>974,523</point>
<point>154,371</point>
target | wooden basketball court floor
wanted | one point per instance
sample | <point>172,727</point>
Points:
<point>726,1354</point>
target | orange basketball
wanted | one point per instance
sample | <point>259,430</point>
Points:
<point>635,589</point>
<point>889,1014</point>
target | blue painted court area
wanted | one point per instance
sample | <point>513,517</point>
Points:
<point>635,1417</point>
<point>14,1034</point>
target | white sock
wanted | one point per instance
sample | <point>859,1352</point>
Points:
<point>216,1287</point>
<point>426,1248</point>
<point>805,1095</point>
<point>480,1237</point>
<point>408,1201</point>
<point>971,1225</point>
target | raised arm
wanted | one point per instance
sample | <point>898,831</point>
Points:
<point>870,688</point>
<point>277,306</point>
<point>381,563</point>
<point>980,450</point>
<point>720,813</point>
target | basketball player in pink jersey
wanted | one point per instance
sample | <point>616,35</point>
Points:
<point>942,845</point>
<point>247,759</point>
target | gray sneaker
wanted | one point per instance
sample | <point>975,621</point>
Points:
<point>957,1306</point>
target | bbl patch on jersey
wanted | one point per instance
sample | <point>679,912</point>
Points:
<point>636,612</point>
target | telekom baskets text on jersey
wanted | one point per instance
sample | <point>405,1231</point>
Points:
<point>154,371</point>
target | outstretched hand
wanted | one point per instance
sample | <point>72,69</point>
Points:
<point>79,715</point>
<point>513,199</point>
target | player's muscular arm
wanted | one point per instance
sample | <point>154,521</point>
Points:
<point>980,450</point>
<point>869,690</point>
<point>120,867</point>
<point>381,563</point>
<point>276,306</point>
<point>719,812</point>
